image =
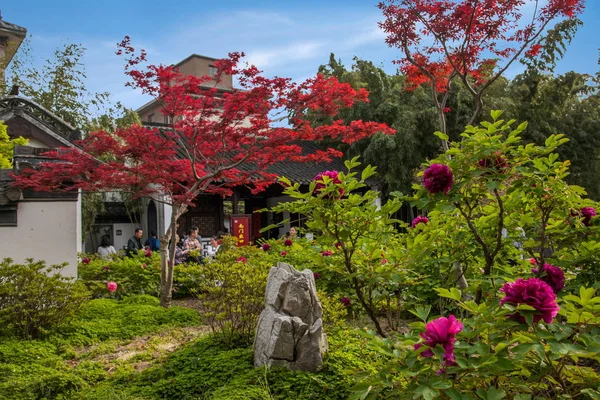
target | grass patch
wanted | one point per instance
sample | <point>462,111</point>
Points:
<point>76,358</point>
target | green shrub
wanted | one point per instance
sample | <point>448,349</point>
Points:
<point>498,357</point>
<point>35,298</point>
<point>232,292</point>
<point>139,274</point>
<point>207,369</point>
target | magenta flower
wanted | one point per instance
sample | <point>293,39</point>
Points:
<point>333,175</point>
<point>283,253</point>
<point>111,286</point>
<point>327,253</point>
<point>438,178</point>
<point>419,220</point>
<point>85,260</point>
<point>441,331</point>
<point>345,301</point>
<point>288,242</point>
<point>144,266</point>
<point>266,247</point>
<point>588,213</point>
<point>338,245</point>
<point>148,253</point>
<point>316,275</point>
<point>106,268</point>
<point>241,259</point>
<point>384,261</point>
<point>553,276</point>
<point>535,293</point>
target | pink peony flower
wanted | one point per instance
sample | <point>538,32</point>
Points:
<point>283,253</point>
<point>345,301</point>
<point>438,178</point>
<point>384,261</point>
<point>241,259</point>
<point>535,293</point>
<point>553,276</point>
<point>316,275</point>
<point>266,247</point>
<point>333,175</point>
<point>588,213</point>
<point>111,286</point>
<point>419,220</point>
<point>148,253</point>
<point>144,266</point>
<point>85,260</point>
<point>288,242</point>
<point>441,331</point>
<point>533,261</point>
<point>327,253</point>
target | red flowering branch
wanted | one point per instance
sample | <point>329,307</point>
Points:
<point>215,140</point>
<point>474,40</point>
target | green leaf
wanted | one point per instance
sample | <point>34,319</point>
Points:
<point>421,312</point>
<point>453,293</point>
<point>491,394</point>
<point>593,394</point>
<point>426,392</point>
<point>522,397</point>
<point>496,114</point>
<point>441,135</point>
<point>368,172</point>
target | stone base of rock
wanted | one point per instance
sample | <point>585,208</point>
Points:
<point>290,328</point>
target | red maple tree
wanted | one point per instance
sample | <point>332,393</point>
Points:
<point>472,40</point>
<point>215,140</point>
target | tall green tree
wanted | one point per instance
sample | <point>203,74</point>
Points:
<point>59,85</point>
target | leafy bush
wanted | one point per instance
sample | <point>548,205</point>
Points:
<point>498,357</point>
<point>232,291</point>
<point>207,369</point>
<point>35,298</point>
<point>139,274</point>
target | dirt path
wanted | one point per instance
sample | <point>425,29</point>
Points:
<point>140,352</point>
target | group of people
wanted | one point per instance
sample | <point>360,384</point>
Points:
<point>186,250</point>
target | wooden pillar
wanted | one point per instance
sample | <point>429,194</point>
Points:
<point>235,198</point>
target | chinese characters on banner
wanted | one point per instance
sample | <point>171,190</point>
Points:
<point>241,229</point>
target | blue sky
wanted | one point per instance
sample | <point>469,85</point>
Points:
<point>286,38</point>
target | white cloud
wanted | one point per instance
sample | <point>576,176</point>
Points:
<point>269,57</point>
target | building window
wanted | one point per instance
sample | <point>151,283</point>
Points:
<point>151,118</point>
<point>212,70</point>
<point>8,215</point>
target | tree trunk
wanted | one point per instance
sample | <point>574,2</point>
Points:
<point>167,258</point>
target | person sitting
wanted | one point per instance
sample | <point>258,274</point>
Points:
<point>134,244</point>
<point>180,254</point>
<point>214,247</point>
<point>192,244</point>
<point>152,242</point>
<point>106,248</point>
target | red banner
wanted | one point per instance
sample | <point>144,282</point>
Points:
<point>241,229</point>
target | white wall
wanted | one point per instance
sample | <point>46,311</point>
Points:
<point>46,230</point>
<point>126,233</point>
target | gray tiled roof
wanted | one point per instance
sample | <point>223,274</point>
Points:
<point>16,29</point>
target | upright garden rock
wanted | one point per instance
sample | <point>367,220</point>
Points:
<point>290,328</point>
